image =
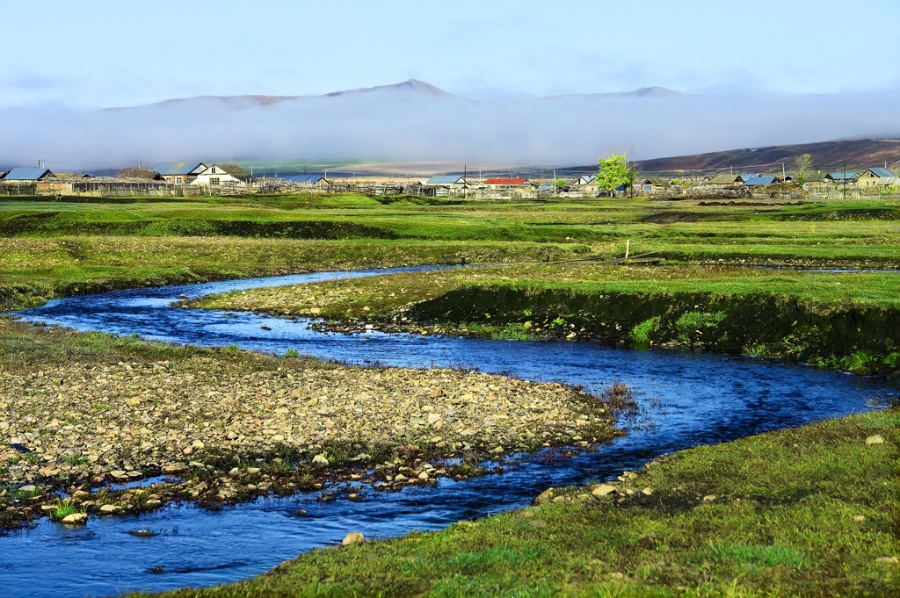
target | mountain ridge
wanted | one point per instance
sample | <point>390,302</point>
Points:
<point>414,86</point>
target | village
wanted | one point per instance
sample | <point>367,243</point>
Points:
<point>188,179</point>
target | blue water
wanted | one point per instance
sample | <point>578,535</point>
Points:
<point>686,400</point>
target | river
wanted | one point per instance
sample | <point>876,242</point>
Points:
<point>686,400</point>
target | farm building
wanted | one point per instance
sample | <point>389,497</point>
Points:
<point>725,180</point>
<point>759,181</point>
<point>28,175</point>
<point>138,174</point>
<point>444,185</point>
<point>876,177</point>
<point>313,181</point>
<point>841,177</point>
<point>655,185</point>
<point>223,175</point>
<point>180,173</point>
<point>449,181</point>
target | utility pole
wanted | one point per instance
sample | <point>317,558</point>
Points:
<point>465,181</point>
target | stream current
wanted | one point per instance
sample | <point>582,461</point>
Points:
<point>686,400</point>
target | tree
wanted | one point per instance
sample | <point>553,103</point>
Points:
<point>614,172</point>
<point>802,168</point>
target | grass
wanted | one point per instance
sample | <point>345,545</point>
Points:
<point>807,511</point>
<point>63,509</point>
<point>51,248</point>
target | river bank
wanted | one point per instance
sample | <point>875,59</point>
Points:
<point>84,415</point>
<point>837,320</point>
<point>805,511</point>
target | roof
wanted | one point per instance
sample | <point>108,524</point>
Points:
<point>657,182</point>
<point>585,180</point>
<point>450,179</point>
<point>310,179</point>
<point>516,181</point>
<point>27,174</point>
<point>760,180</point>
<point>138,173</point>
<point>841,176</point>
<point>234,170</point>
<point>726,179</point>
<point>882,172</point>
<point>179,168</point>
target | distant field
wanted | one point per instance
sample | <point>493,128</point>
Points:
<point>52,248</point>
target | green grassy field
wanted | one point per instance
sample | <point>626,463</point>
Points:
<point>52,248</point>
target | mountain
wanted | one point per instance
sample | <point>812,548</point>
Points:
<point>643,92</point>
<point>412,87</point>
<point>828,155</point>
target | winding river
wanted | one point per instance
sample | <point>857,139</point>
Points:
<point>686,400</point>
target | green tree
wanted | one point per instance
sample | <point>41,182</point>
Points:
<point>802,168</point>
<point>614,172</point>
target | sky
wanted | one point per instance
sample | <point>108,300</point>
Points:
<point>749,74</point>
<point>113,53</point>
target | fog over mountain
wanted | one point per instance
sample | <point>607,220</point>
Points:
<point>416,122</point>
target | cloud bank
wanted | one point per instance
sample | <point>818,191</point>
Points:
<point>409,125</point>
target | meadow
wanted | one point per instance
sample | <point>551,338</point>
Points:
<point>805,511</point>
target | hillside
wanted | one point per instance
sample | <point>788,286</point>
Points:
<point>826,156</point>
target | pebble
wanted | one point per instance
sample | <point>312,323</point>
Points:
<point>132,420</point>
<point>75,519</point>
<point>353,538</point>
<point>603,489</point>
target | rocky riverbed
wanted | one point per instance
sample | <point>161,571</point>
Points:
<point>106,436</point>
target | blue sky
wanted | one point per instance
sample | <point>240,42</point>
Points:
<point>122,53</point>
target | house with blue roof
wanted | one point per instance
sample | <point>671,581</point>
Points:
<point>32,175</point>
<point>841,177</point>
<point>450,180</point>
<point>180,173</point>
<point>759,181</point>
<point>876,177</point>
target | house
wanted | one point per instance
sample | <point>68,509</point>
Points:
<point>315,181</point>
<point>452,180</point>
<point>841,177</point>
<point>585,180</point>
<point>655,185</point>
<point>180,173</point>
<point>876,177</point>
<point>31,175</point>
<point>726,180</point>
<point>138,174</point>
<point>760,181</point>
<point>223,175</point>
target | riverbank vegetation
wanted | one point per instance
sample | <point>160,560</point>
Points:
<point>842,320</point>
<point>806,511</point>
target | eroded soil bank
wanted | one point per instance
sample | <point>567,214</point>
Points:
<point>219,427</point>
<point>858,338</point>
<point>846,321</point>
